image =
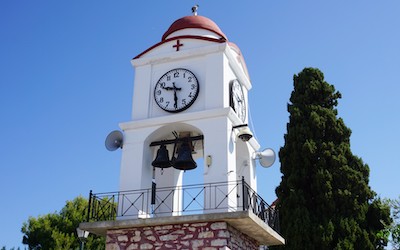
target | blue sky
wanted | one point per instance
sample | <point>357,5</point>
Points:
<point>66,82</point>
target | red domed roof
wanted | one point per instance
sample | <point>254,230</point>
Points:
<point>194,22</point>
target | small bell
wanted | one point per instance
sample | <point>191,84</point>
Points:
<point>162,158</point>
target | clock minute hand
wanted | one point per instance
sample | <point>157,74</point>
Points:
<point>175,95</point>
<point>175,100</point>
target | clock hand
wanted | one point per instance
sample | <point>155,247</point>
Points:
<point>238,99</point>
<point>175,95</point>
<point>175,100</point>
<point>174,88</point>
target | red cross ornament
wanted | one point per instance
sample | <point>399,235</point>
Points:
<point>177,45</point>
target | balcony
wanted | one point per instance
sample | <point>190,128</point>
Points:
<point>233,202</point>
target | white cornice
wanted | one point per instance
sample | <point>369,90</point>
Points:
<point>187,117</point>
<point>182,117</point>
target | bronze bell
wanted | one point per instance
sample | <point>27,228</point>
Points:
<point>184,161</point>
<point>162,158</point>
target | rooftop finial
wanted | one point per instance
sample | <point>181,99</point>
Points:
<point>194,9</point>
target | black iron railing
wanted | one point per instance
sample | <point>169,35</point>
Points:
<point>181,200</point>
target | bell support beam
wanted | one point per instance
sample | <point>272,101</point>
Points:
<point>173,141</point>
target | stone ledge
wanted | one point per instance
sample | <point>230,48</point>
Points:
<point>245,221</point>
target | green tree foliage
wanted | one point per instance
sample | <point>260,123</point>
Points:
<point>324,198</point>
<point>394,229</point>
<point>58,230</point>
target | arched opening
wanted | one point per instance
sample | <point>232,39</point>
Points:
<point>176,190</point>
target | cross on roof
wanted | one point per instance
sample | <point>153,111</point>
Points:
<point>177,45</point>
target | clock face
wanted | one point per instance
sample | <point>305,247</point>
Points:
<point>176,90</point>
<point>237,100</point>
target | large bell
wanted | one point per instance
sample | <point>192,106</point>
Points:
<point>184,161</point>
<point>162,158</point>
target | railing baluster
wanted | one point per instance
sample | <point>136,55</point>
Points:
<point>90,204</point>
<point>244,195</point>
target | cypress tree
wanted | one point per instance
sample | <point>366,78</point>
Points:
<point>324,197</point>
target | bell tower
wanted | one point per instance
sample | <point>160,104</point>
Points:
<point>192,84</point>
<point>190,110</point>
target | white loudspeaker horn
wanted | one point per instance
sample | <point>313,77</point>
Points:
<point>114,140</point>
<point>266,157</point>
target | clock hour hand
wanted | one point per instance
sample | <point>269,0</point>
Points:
<point>174,88</point>
<point>168,88</point>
